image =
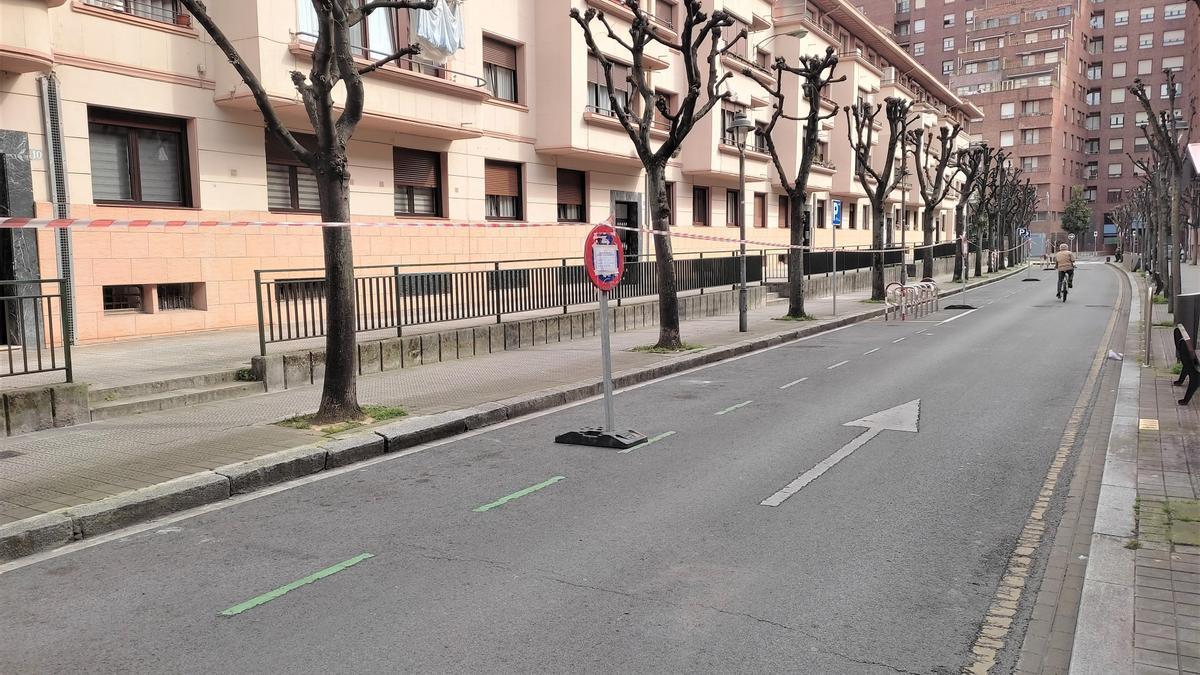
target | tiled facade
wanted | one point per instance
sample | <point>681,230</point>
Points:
<point>1051,79</point>
<point>156,124</point>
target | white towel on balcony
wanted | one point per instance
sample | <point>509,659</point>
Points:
<point>439,31</point>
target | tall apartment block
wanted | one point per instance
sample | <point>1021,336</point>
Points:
<point>1051,79</point>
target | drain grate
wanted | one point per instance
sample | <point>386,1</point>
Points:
<point>9,454</point>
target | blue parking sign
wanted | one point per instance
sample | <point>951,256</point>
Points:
<point>837,212</point>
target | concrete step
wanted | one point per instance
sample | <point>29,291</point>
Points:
<point>143,389</point>
<point>176,398</point>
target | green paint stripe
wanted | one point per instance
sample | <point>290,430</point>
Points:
<point>648,441</point>
<point>315,576</point>
<point>519,493</point>
<point>731,408</point>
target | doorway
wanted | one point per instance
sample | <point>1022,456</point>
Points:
<point>626,215</point>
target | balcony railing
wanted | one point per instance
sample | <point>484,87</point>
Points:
<point>432,70</point>
<point>165,11</point>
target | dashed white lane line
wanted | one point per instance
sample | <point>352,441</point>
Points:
<point>899,340</point>
<point>793,383</point>
<point>959,316</point>
<point>839,363</point>
<point>871,352</point>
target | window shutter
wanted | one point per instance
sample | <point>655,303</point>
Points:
<point>415,168</point>
<point>570,187</point>
<point>502,180</point>
<point>278,152</point>
<point>499,53</point>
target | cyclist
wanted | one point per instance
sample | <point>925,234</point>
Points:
<point>1064,262</point>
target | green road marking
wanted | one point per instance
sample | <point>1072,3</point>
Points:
<point>519,493</point>
<point>731,408</point>
<point>315,576</point>
<point>647,442</point>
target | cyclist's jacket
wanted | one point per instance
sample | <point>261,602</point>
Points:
<point>1064,261</point>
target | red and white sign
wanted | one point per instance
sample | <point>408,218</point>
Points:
<point>604,257</point>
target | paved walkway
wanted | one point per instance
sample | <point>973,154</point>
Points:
<point>48,470</point>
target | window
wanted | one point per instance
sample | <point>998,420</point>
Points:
<point>1116,95</point>
<point>1031,107</point>
<point>902,6</point>
<point>852,212</point>
<point>1097,21</point>
<point>1145,66</point>
<point>291,186</point>
<point>1141,144</point>
<point>1172,38</point>
<point>417,176</point>
<point>1092,123</point>
<point>571,193</point>
<point>759,140</point>
<point>137,159</point>
<point>599,101</point>
<point>729,111</point>
<point>1030,136</point>
<point>664,12</point>
<point>1095,71</point>
<point>1006,139</point>
<point>784,213</point>
<point>1092,146</point>
<point>760,209</point>
<point>1165,92</point>
<point>1028,60</point>
<point>1116,120</point>
<point>979,45</point>
<point>947,67</point>
<point>1120,44</point>
<point>122,298</point>
<point>1121,18</point>
<point>919,4</point>
<point>918,48</point>
<point>1114,170</point>
<point>1051,57</point>
<point>700,206</point>
<point>820,215</point>
<point>947,21</point>
<point>1007,110</point>
<point>156,10</point>
<point>1116,145</point>
<point>177,296</point>
<point>1096,45</point>
<point>1175,11</point>
<point>1041,15</point>
<point>500,69</point>
<point>1118,69</point>
<point>1089,194</point>
<point>741,48</point>
<point>1146,15</point>
<point>670,203</point>
<point>733,216</point>
<point>1145,40</point>
<point>1092,171</point>
<point>902,28</point>
<point>1030,37</point>
<point>1029,163</point>
<point>969,17</point>
<point>948,44</point>
<point>1140,119</point>
<point>1113,195</point>
<point>919,26</point>
<point>502,190</point>
<point>1173,63</point>
<point>1093,97</point>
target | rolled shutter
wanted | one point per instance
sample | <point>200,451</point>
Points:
<point>570,187</point>
<point>416,168</point>
<point>499,53</point>
<point>502,180</point>
<point>278,152</point>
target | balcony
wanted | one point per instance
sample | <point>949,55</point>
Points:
<point>25,36</point>
<point>170,12</point>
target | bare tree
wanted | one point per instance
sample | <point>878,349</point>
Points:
<point>333,63</point>
<point>935,183</point>
<point>969,162</point>
<point>877,183</point>
<point>816,74</point>
<point>696,30</point>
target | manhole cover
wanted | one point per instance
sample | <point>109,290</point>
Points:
<point>8,454</point>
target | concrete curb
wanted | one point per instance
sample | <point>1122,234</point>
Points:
<point>54,529</point>
<point>1104,630</point>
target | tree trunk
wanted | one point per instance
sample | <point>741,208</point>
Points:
<point>991,237</point>
<point>339,394</point>
<point>796,257</point>
<point>668,297</point>
<point>1161,264</point>
<point>979,252</point>
<point>1176,265</point>
<point>959,263</point>
<point>881,226</point>
<point>927,227</point>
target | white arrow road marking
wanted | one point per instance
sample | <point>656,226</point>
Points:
<point>900,418</point>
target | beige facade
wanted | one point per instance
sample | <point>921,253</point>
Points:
<point>157,125</point>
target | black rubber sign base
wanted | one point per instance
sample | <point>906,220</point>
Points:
<point>599,438</point>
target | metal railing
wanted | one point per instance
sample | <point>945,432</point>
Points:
<point>32,328</point>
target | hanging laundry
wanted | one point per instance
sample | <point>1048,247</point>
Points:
<point>439,30</point>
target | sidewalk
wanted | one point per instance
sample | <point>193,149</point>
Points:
<point>49,470</point>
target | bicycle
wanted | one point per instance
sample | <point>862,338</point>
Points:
<point>1064,283</point>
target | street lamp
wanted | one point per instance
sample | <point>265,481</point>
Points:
<point>740,128</point>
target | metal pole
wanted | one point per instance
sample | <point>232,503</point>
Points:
<point>903,224</point>
<point>742,327</point>
<point>606,359</point>
<point>835,278</point>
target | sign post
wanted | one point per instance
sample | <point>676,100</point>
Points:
<point>837,223</point>
<point>604,259</point>
<point>1027,240</point>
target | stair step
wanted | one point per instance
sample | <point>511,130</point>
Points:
<point>144,389</point>
<point>176,398</point>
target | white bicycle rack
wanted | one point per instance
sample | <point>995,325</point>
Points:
<point>917,299</point>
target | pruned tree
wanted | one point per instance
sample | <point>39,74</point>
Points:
<point>1166,136</point>
<point>969,162</point>
<point>935,182</point>
<point>333,64</point>
<point>695,32</point>
<point>877,183</point>
<point>1153,203</point>
<point>994,166</point>
<point>816,73</point>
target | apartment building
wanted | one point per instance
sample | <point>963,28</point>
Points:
<point>1052,80</point>
<point>130,112</point>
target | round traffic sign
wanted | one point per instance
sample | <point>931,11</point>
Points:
<point>1071,236</point>
<point>604,257</point>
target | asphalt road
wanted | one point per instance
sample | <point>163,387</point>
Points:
<point>657,560</point>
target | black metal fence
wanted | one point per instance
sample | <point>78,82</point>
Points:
<point>821,262</point>
<point>32,328</point>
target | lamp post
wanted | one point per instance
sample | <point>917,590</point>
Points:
<point>740,128</point>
